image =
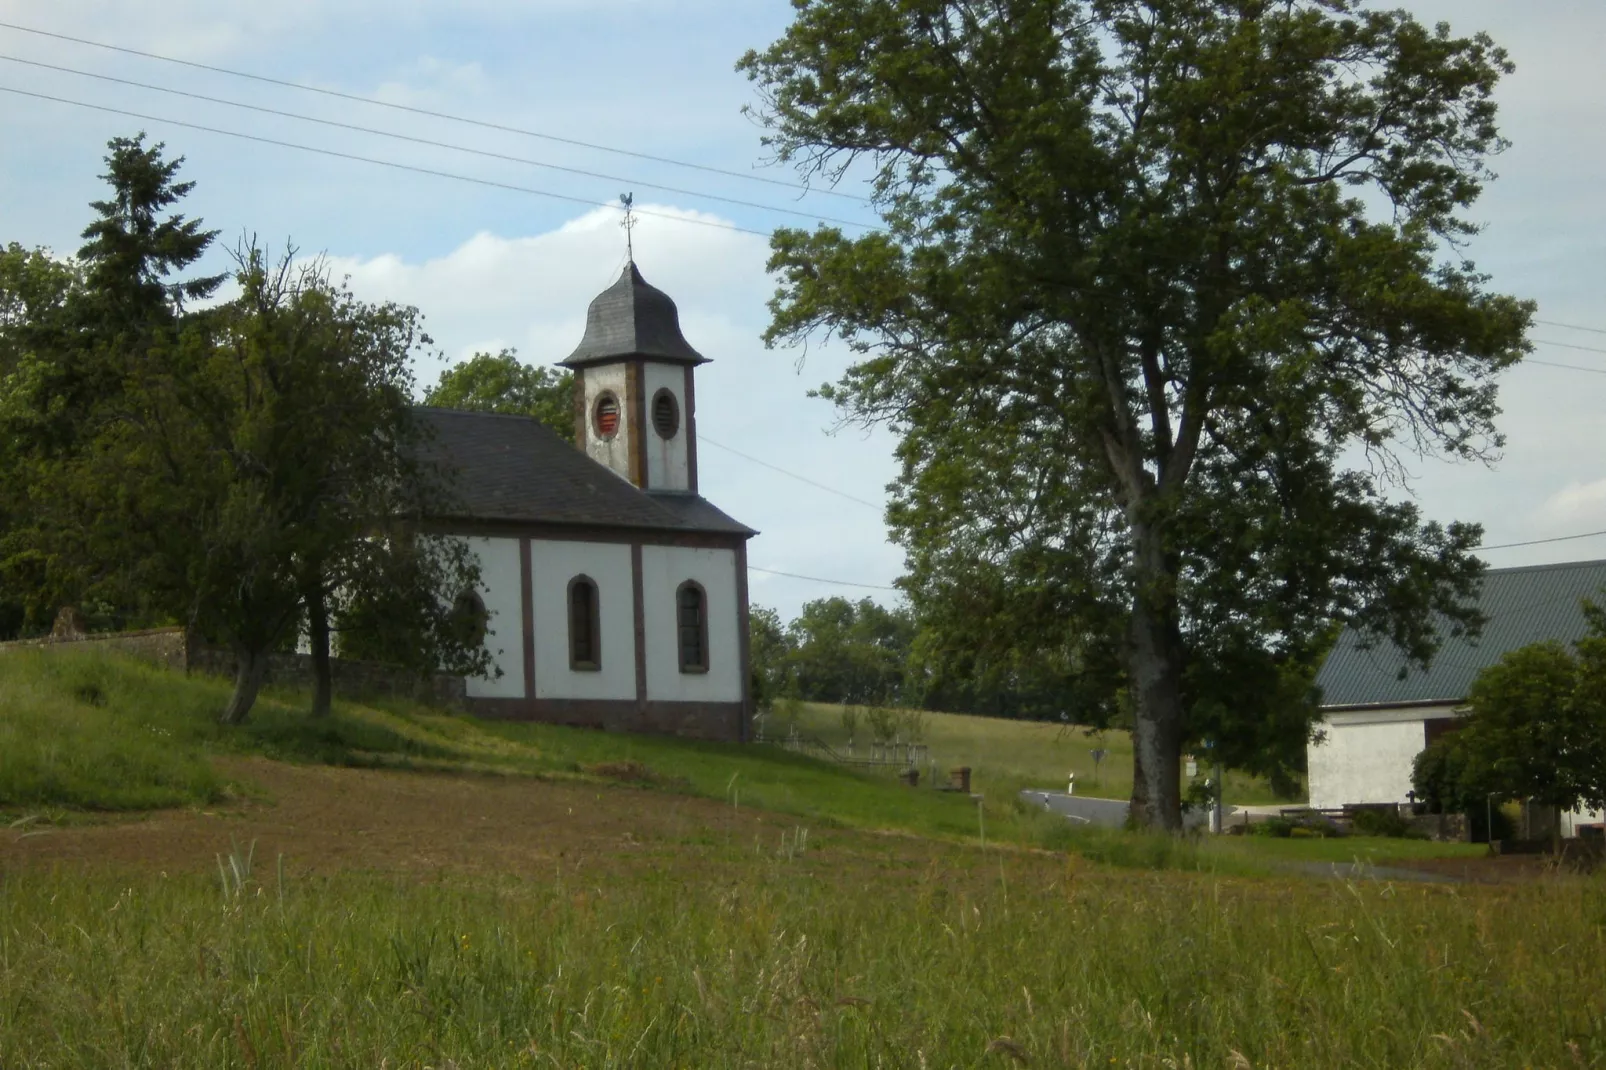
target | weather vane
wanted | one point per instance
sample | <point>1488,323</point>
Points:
<point>629,223</point>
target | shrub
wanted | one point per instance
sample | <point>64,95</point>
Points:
<point>1382,822</point>
<point>882,722</point>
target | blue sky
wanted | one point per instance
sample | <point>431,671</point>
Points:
<point>491,267</point>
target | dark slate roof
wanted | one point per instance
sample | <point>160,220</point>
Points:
<point>1523,606</point>
<point>632,319</point>
<point>514,469</point>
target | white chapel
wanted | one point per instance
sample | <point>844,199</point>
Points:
<point>615,596</point>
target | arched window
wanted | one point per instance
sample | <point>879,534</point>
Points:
<point>470,619</point>
<point>691,620</point>
<point>585,633</point>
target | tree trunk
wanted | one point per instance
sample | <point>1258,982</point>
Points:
<point>250,666</point>
<point>1155,665</point>
<point>318,638</point>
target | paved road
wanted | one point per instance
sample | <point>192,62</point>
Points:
<point>1087,810</point>
<point>1111,813</point>
<point>1080,809</point>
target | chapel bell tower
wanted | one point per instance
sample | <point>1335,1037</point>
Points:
<point>634,406</point>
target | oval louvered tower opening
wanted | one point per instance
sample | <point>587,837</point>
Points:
<point>665,414</point>
<point>605,416</point>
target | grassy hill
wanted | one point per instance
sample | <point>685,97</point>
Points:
<point>85,731</point>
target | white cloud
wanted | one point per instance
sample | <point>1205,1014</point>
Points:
<point>1577,505</point>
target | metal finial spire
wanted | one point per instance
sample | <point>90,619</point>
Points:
<point>629,223</point>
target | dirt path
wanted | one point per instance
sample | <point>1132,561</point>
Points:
<point>323,819</point>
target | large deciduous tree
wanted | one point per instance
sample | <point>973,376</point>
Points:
<point>1158,279</point>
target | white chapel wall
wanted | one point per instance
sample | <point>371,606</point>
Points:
<point>1367,756</point>
<point>664,569</point>
<point>553,564</point>
<point>500,589</point>
<point>667,465</point>
<point>614,452</point>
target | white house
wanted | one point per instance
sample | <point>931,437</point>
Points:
<point>613,594</point>
<point>1378,714</point>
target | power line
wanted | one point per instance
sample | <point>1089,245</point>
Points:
<point>1542,542</point>
<point>819,579</point>
<point>430,142</point>
<point>1569,345</point>
<point>1571,326</point>
<point>434,114</point>
<point>791,475</point>
<point>1569,367</point>
<point>381,163</point>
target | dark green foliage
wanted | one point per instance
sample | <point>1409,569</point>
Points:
<point>1383,822</point>
<point>854,652</point>
<point>1152,271</point>
<point>770,650</point>
<point>1282,828</point>
<point>229,468</point>
<point>1535,728</point>
<point>501,383</point>
<point>133,249</point>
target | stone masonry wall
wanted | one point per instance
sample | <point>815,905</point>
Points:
<point>351,679</point>
<point>167,647</point>
<point>172,648</point>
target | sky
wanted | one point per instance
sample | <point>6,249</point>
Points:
<point>491,266</point>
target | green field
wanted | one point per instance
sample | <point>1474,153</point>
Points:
<point>729,907</point>
<point>1006,756</point>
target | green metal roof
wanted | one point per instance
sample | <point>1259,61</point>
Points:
<point>1523,606</point>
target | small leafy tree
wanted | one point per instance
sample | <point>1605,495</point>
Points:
<point>850,721</point>
<point>1534,728</point>
<point>882,722</point>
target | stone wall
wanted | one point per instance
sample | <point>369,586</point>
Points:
<point>167,647</point>
<point>350,679</point>
<point>173,649</point>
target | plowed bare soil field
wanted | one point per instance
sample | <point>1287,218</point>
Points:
<point>325,819</point>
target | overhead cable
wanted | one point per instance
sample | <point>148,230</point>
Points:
<point>378,162</point>
<point>1569,367</point>
<point>630,182</point>
<point>1543,542</point>
<point>1569,345</point>
<point>1572,326</point>
<point>820,579</point>
<point>794,187</point>
<point>792,475</point>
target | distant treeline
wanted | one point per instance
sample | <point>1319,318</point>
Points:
<point>862,653</point>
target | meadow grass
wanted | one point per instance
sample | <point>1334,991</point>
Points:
<point>1008,755</point>
<point>840,955</point>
